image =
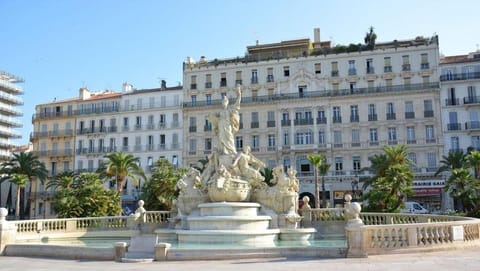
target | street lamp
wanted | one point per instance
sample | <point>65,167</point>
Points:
<point>354,187</point>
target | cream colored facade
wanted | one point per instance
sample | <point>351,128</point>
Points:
<point>346,106</point>
<point>76,134</point>
<point>460,78</point>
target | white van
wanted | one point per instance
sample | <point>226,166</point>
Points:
<point>412,207</point>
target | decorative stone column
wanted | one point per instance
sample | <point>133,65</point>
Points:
<point>8,231</point>
<point>355,229</point>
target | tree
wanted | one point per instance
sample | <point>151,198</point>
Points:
<point>454,160</point>
<point>160,190</point>
<point>392,181</point>
<point>20,180</point>
<point>65,179</point>
<point>319,163</point>
<point>370,38</point>
<point>25,163</point>
<point>86,196</point>
<point>121,166</point>
<point>473,159</point>
<point>267,174</point>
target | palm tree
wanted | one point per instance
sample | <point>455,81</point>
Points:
<point>370,38</point>
<point>460,185</point>
<point>317,161</point>
<point>474,161</point>
<point>323,168</point>
<point>454,160</point>
<point>267,174</point>
<point>20,180</point>
<point>121,166</point>
<point>63,180</point>
<point>25,163</point>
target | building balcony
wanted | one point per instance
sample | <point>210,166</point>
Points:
<point>337,119</point>
<point>387,69</point>
<point>472,125</point>
<point>322,120</point>
<point>270,79</point>
<point>372,117</point>
<point>207,127</point>
<point>391,116</point>
<point>354,118</point>
<point>425,66</point>
<point>270,123</point>
<point>406,67</point>
<point>254,80</point>
<point>352,72</point>
<point>409,115</point>
<point>286,123</point>
<point>450,102</point>
<point>208,85</point>
<point>428,113</point>
<point>370,70</point>
<point>303,122</point>
<point>460,76</point>
<point>254,124</point>
<point>192,129</point>
<point>335,74</point>
<point>471,100</point>
<point>454,126</point>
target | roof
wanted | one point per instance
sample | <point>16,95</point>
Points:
<point>473,57</point>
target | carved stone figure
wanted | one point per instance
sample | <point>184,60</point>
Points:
<point>246,165</point>
<point>226,124</point>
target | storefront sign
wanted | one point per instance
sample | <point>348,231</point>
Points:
<point>426,191</point>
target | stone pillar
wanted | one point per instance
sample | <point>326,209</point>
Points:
<point>120,250</point>
<point>355,230</point>
<point>161,251</point>
<point>8,231</point>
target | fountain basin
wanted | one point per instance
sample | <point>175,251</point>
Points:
<point>228,222</point>
<point>229,209</point>
<point>265,237</point>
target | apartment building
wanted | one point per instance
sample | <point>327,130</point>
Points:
<point>302,97</point>
<point>9,113</point>
<point>460,80</point>
<point>75,134</point>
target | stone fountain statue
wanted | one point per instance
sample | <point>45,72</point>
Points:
<point>233,176</point>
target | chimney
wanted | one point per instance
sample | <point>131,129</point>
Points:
<point>126,87</point>
<point>316,34</point>
<point>84,93</point>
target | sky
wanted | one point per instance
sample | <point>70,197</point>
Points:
<point>58,47</point>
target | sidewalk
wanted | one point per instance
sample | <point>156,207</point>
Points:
<point>465,260</point>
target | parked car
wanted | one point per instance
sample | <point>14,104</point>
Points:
<point>412,207</point>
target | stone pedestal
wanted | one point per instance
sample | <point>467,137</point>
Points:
<point>161,251</point>
<point>120,250</point>
<point>8,231</point>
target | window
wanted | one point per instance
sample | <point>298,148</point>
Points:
<point>335,69</point>
<point>356,163</point>
<point>303,137</point>
<point>150,142</point>
<point>318,68</point>
<point>101,145</point>
<point>412,157</point>
<point>238,77</point>
<point>193,124</point>
<point>476,142</point>
<point>270,119</point>
<point>271,142</point>
<point>208,144</point>
<point>409,113</point>
<point>321,117</point>
<point>454,143</point>
<point>411,135</point>
<point>355,138</point>
<point>162,141</point>
<point>162,121</point>
<point>370,68</point>
<point>239,142</point>
<point>125,142</point>
<point>431,161</point>
<point>254,77</point>
<point>269,74</point>
<point>428,108</point>
<point>208,81</point>
<point>405,63</point>
<point>303,165</point>
<point>254,123</point>
<point>150,161</point>
<point>387,66</point>
<point>373,136</point>
<point>390,111</point>
<point>139,103</point>
<point>194,100</point>
<point>223,79</point>
<point>337,139</point>
<point>429,134</point>
<point>302,91</point>
<point>354,113</point>
<point>193,146</point>
<point>372,112</point>
<point>321,137</point>
<point>254,94</point>
<point>138,122</point>
<point>337,115</point>
<point>392,135</point>
<point>174,141</point>
<point>286,71</point>
<point>208,99</point>
<point>255,143</point>
<point>193,82</point>
<point>286,138</point>
<point>353,87</point>
<point>351,67</point>
<point>424,61</point>
<point>339,165</point>
<point>66,166</point>
<point>370,84</point>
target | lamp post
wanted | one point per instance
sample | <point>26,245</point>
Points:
<point>354,187</point>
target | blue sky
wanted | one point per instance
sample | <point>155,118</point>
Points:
<point>60,46</point>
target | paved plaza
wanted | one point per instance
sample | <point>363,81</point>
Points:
<point>464,260</point>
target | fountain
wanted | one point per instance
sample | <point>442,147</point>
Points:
<point>229,202</point>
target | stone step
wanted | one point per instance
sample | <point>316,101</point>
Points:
<point>264,237</point>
